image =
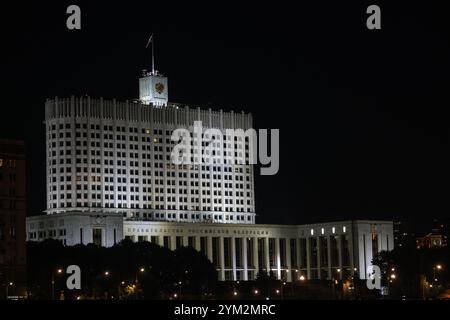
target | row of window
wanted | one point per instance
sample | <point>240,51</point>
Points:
<point>156,206</point>
<point>110,128</point>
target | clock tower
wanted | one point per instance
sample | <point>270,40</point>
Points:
<point>153,89</point>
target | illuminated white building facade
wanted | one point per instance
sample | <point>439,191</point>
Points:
<point>317,251</point>
<point>115,157</point>
<point>110,176</point>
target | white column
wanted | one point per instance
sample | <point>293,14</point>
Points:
<point>172,242</point>
<point>197,245</point>
<point>308,257</point>
<point>233,257</point>
<point>244,258</point>
<point>255,256</point>
<point>319,256</point>
<point>266,254</point>
<point>278,258</point>
<point>185,241</point>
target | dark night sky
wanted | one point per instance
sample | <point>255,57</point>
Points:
<point>362,114</point>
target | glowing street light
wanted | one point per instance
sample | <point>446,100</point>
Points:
<point>393,276</point>
<point>106,273</point>
<point>235,293</point>
<point>277,291</point>
<point>438,267</point>
<point>302,278</point>
<point>58,271</point>
<point>255,291</point>
<point>141,270</point>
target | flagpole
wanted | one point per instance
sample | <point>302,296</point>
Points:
<point>153,55</point>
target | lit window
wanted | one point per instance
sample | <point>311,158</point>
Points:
<point>344,229</point>
<point>333,230</point>
<point>312,232</point>
<point>1,162</point>
<point>322,230</point>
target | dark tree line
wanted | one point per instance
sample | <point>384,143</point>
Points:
<point>417,272</point>
<point>127,270</point>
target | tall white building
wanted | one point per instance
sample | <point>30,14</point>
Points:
<point>110,176</point>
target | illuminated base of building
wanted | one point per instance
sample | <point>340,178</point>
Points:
<point>324,251</point>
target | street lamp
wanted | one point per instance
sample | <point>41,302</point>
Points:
<point>10,284</point>
<point>141,270</point>
<point>179,283</point>
<point>106,274</point>
<point>438,267</point>
<point>302,278</point>
<point>58,271</point>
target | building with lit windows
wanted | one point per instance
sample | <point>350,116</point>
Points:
<point>110,176</point>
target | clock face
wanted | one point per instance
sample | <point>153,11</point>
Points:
<point>159,87</point>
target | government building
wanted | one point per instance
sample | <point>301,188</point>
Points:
<point>111,176</point>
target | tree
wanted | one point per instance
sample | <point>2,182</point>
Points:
<point>116,271</point>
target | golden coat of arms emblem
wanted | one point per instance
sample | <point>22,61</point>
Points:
<point>159,87</point>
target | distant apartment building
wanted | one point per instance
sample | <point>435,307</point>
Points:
<point>437,238</point>
<point>12,218</point>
